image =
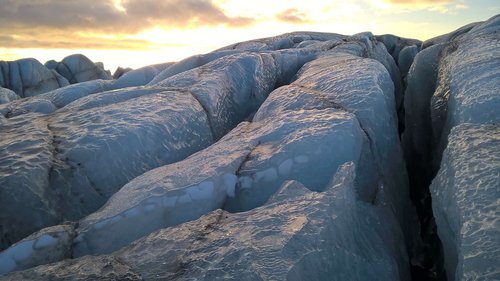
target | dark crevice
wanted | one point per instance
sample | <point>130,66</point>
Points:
<point>427,263</point>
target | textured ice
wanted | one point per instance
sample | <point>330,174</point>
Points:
<point>369,94</point>
<point>166,196</point>
<point>55,99</point>
<point>465,190</point>
<point>99,142</point>
<point>154,156</point>
<point>406,57</point>
<point>7,95</point>
<point>66,165</point>
<point>49,245</point>
<point>78,68</point>
<point>297,235</point>
<point>237,84</point>
<point>395,44</point>
<point>140,76</point>
<point>188,64</point>
<point>307,146</point>
<point>417,136</point>
<point>468,79</point>
<point>285,41</point>
<point>28,77</point>
<point>465,200</point>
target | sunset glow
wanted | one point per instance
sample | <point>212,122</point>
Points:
<point>134,33</point>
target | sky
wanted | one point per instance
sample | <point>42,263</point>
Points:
<point>135,33</point>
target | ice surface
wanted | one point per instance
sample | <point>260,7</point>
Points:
<point>465,190</point>
<point>78,68</point>
<point>101,141</point>
<point>417,136</point>
<point>7,95</point>
<point>469,75</point>
<point>28,77</point>
<point>83,156</point>
<point>297,235</point>
<point>406,57</point>
<point>189,63</point>
<point>285,41</point>
<point>307,146</point>
<point>140,76</point>
<point>465,200</point>
<point>55,99</point>
<point>25,163</point>
<point>232,87</point>
<point>166,196</point>
<point>369,94</point>
<point>395,44</point>
<point>49,245</point>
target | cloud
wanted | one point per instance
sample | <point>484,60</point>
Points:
<point>417,2</point>
<point>61,23</point>
<point>104,16</point>
<point>77,42</point>
<point>442,6</point>
<point>293,16</point>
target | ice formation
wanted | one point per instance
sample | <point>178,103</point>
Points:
<point>78,68</point>
<point>273,159</point>
<point>28,77</point>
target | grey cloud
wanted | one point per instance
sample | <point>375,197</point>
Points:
<point>102,16</point>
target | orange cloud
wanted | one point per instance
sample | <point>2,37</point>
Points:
<point>34,23</point>
<point>133,15</point>
<point>293,16</point>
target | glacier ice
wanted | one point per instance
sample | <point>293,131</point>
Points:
<point>464,115</point>
<point>7,95</point>
<point>52,244</point>
<point>28,77</point>
<point>78,68</point>
<point>297,235</point>
<point>465,202</point>
<point>275,158</point>
<point>129,131</point>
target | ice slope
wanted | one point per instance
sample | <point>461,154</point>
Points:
<point>296,235</point>
<point>465,200</point>
<point>28,77</point>
<point>453,87</point>
<point>369,94</point>
<point>468,79</point>
<point>302,141</point>
<point>465,191</point>
<point>101,141</point>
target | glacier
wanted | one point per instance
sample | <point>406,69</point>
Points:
<point>304,156</point>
